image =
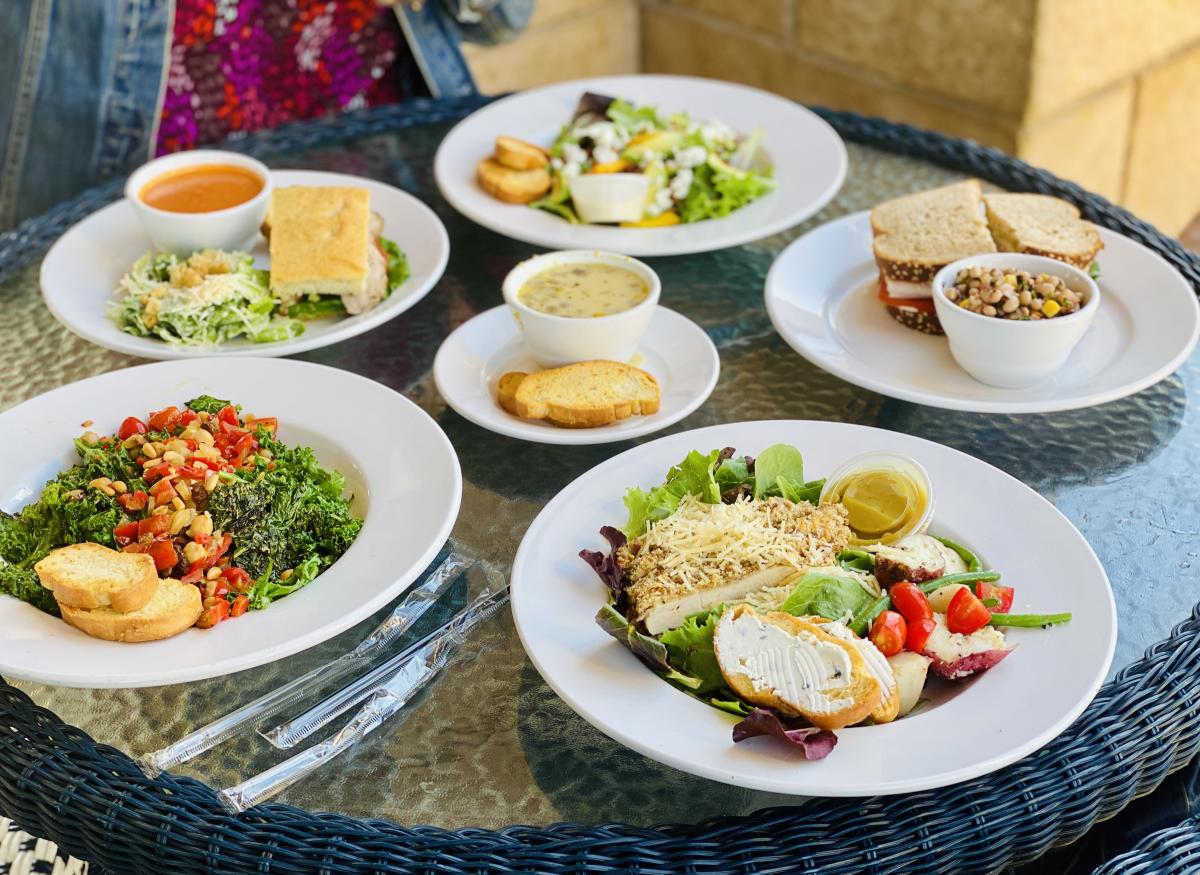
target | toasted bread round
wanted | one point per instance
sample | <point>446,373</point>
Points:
<point>856,701</point>
<point>512,186</point>
<point>175,607</point>
<point>587,394</point>
<point>91,576</point>
<point>506,390</point>
<point>519,155</point>
<point>889,703</point>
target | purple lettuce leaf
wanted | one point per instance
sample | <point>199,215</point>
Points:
<point>606,566</point>
<point>814,743</point>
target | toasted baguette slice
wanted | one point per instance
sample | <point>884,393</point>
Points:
<point>792,665</point>
<point>877,664</point>
<point>1041,225</point>
<point>519,155</point>
<point>587,394</point>
<point>506,390</point>
<point>90,576</point>
<point>919,234</point>
<point>176,606</point>
<point>512,186</point>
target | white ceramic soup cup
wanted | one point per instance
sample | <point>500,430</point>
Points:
<point>1008,353</point>
<point>184,233</point>
<point>560,340</point>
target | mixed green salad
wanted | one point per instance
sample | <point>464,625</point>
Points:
<point>213,296</point>
<point>694,170</point>
<point>208,492</point>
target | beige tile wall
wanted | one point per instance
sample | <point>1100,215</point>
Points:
<point>1103,92</point>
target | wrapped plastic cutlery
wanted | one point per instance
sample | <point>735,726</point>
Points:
<point>432,655</point>
<point>295,730</point>
<point>411,608</point>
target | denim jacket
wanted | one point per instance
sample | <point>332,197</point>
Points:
<point>81,83</point>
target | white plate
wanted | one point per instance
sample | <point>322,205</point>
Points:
<point>675,350</point>
<point>81,271</point>
<point>809,159</point>
<point>820,295</point>
<point>398,464</point>
<point>983,725</point>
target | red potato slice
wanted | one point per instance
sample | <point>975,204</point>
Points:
<point>955,656</point>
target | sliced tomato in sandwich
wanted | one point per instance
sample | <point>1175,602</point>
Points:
<point>921,305</point>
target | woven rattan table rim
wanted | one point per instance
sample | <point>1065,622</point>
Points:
<point>91,799</point>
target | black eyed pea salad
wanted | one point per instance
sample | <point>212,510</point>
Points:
<point>1013,294</point>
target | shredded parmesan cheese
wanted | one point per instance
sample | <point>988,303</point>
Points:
<point>704,546</point>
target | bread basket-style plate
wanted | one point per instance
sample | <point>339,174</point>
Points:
<point>674,350</point>
<point>808,156</point>
<point>969,729</point>
<point>821,296</point>
<point>399,466</point>
<point>81,271</point>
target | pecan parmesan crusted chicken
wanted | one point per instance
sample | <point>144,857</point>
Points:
<point>706,554</point>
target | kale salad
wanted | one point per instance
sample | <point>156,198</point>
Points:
<point>207,491</point>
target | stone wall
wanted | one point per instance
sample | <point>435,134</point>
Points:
<point>1104,92</point>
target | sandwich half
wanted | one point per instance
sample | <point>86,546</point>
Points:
<point>1041,225</point>
<point>325,242</point>
<point>706,554</point>
<point>916,236</point>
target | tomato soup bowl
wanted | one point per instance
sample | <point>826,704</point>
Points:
<point>233,227</point>
<point>553,340</point>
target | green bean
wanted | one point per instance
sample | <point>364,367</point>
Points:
<point>1029,620</point>
<point>862,620</point>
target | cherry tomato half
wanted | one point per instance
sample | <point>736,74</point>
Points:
<point>910,601</point>
<point>1002,594</point>
<point>228,414</point>
<point>167,418</point>
<point>130,426</point>
<point>888,633</point>
<point>918,634</point>
<point>966,613</point>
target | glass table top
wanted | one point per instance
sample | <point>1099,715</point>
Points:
<point>491,744</point>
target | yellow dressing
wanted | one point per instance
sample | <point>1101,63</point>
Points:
<point>584,290</point>
<point>883,504</point>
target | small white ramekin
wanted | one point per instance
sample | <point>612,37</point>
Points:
<point>184,233</point>
<point>554,341</point>
<point>1010,353</point>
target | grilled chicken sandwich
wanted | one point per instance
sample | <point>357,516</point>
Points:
<point>706,554</point>
<point>325,241</point>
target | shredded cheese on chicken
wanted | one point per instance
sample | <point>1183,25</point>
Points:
<point>704,546</point>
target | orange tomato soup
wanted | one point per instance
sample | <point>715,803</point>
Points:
<point>201,188</point>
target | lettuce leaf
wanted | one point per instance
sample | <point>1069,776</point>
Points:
<point>606,567</point>
<point>820,594</point>
<point>695,475</point>
<point>690,648</point>
<point>715,194</point>
<point>649,650</point>
<point>814,743</point>
<point>625,115</point>
<point>397,264</point>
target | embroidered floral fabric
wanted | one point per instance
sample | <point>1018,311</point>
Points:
<point>241,65</point>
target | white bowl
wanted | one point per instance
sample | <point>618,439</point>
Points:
<point>184,233</point>
<point>1010,353</point>
<point>560,340</point>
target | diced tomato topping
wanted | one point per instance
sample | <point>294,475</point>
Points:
<point>130,426</point>
<point>237,578</point>
<point>910,601</point>
<point>228,414</point>
<point>133,501</point>
<point>966,613</point>
<point>125,533</point>
<point>1003,596</point>
<point>163,554</point>
<point>188,417</point>
<point>918,634</point>
<point>163,492</point>
<point>190,473</point>
<point>154,525</point>
<point>213,614</point>
<point>165,419</point>
<point>270,423</point>
<point>202,540</point>
<point>195,573</point>
<point>888,633</point>
<point>159,470</point>
<point>240,605</point>
<point>137,547</point>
